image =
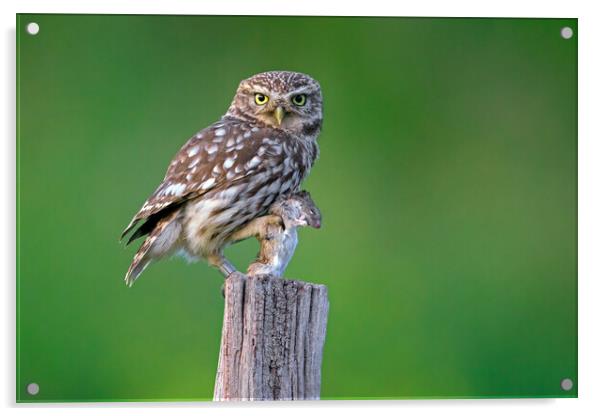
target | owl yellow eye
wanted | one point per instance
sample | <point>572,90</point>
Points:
<point>261,99</point>
<point>299,100</point>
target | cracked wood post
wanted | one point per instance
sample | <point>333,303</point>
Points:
<point>272,339</point>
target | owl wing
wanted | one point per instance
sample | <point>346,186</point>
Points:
<point>216,157</point>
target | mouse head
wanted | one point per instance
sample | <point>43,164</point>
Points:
<point>298,210</point>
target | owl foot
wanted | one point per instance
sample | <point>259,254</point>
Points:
<point>222,264</point>
<point>274,220</point>
<point>226,268</point>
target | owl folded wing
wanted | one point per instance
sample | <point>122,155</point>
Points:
<point>215,158</point>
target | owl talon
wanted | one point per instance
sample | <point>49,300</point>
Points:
<point>275,220</point>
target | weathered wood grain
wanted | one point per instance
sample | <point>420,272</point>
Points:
<point>272,339</point>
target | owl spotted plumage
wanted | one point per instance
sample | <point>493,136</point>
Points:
<point>232,171</point>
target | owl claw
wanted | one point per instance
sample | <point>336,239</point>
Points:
<point>275,220</point>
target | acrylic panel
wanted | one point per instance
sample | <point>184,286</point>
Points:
<point>447,182</point>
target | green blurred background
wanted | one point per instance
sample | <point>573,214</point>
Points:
<point>447,180</point>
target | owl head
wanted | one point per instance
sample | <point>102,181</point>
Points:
<point>285,100</point>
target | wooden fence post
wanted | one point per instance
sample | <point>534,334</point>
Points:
<point>272,339</point>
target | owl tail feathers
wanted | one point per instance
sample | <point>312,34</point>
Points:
<point>134,271</point>
<point>141,261</point>
<point>166,231</point>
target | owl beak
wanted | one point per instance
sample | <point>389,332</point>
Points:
<point>279,115</point>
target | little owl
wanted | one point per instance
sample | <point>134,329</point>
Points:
<point>231,172</point>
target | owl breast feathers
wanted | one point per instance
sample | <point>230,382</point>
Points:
<point>231,172</point>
